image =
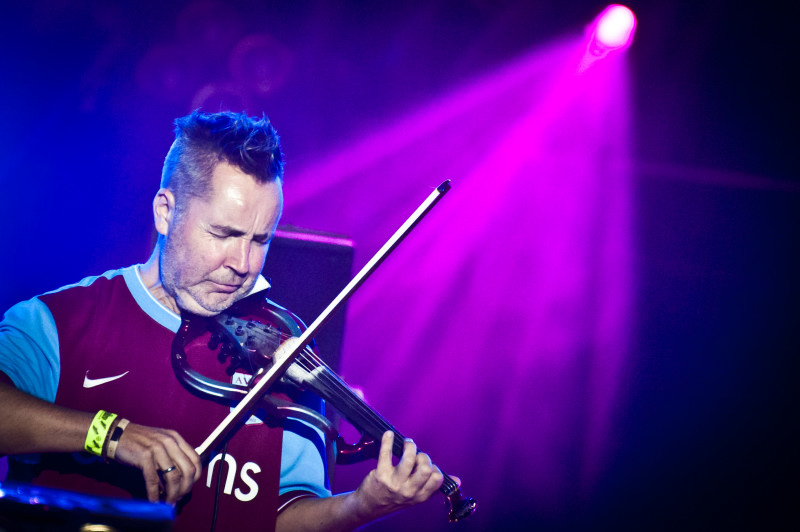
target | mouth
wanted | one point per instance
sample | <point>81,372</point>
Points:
<point>223,287</point>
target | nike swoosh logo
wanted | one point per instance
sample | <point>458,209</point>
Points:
<point>91,383</point>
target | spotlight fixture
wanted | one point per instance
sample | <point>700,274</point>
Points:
<point>615,27</point>
<point>613,30</point>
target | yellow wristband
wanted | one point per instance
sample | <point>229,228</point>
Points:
<point>98,431</point>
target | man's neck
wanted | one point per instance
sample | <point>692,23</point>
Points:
<point>151,275</point>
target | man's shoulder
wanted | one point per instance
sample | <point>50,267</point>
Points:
<point>89,298</point>
<point>98,282</point>
<point>31,331</point>
<point>38,308</point>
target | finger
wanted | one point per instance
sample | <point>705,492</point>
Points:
<point>423,466</point>
<point>152,483</point>
<point>433,483</point>
<point>168,470</point>
<point>152,450</point>
<point>185,459</point>
<point>135,448</point>
<point>172,482</point>
<point>385,452</point>
<point>193,458</point>
<point>408,461</point>
<point>419,476</point>
<point>184,470</point>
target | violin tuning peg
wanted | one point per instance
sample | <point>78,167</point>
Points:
<point>224,352</point>
<point>213,342</point>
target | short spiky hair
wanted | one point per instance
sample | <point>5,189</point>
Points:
<point>203,140</point>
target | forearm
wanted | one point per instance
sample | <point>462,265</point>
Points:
<point>385,490</point>
<point>340,513</point>
<point>31,425</point>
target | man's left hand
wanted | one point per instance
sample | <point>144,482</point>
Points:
<point>388,488</point>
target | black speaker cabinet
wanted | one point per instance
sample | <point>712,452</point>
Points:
<point>307,270</point>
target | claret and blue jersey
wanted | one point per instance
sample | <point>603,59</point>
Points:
<point>104,343</point>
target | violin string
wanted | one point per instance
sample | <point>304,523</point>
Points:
<point>337,389</point>
<point>334,387</point>
<point>309,361</point>
<point>340,394</point>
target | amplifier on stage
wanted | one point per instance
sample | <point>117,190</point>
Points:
<point>307,270</point>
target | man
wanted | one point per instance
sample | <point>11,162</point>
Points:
<point>85,370</point>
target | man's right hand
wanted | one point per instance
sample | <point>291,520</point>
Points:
<point>170,466</point>
<point>31,425</point>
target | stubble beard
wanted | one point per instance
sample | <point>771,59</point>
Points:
<point>184,284</point>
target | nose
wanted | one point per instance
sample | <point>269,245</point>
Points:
<point>238,258</point>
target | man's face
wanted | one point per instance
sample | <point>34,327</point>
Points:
<point>216,248</point>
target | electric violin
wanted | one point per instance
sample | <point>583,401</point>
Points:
<point>270,343</point>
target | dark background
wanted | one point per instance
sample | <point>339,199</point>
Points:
<point>88,90</point>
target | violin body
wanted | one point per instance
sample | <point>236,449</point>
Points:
<point>201,336</point>
<point>247,337</point>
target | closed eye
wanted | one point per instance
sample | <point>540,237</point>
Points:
<point>222,232</point>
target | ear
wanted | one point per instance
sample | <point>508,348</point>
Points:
<point>163,210</point>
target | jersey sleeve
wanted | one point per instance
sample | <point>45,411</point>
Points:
<point>29,349</point>
<point>303,464</point>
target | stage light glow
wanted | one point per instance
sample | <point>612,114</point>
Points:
<point>615,27</point>
<point>612,30</point>
<point>535,238</point>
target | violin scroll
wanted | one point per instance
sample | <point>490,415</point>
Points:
<point>460,507</point>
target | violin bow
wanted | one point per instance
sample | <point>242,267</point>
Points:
<point>282,363</point>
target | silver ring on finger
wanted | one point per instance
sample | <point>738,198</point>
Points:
<point>167,470</point>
